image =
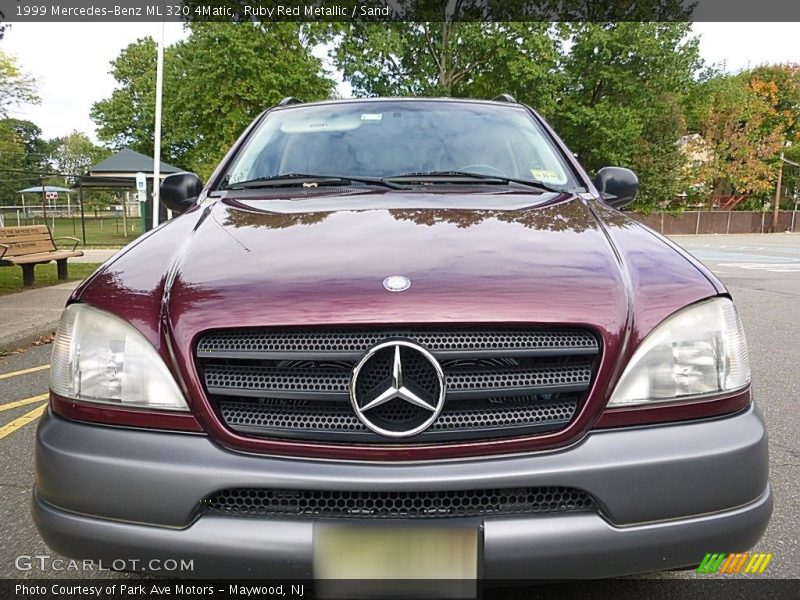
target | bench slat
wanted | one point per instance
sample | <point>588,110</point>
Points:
<point>25,248</point>
<point>24,230</point>
<point>17,239</point>
<point>41,257</point>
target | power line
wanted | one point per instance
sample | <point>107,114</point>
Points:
<point>38,173</point>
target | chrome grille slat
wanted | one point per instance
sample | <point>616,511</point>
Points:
<point>350,344</point>
<point>227,380</point>
<point>288,420</point>
<point>294,383</point>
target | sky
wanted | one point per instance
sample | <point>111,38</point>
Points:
<point>71,61</point>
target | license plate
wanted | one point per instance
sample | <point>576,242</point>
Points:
<point>419,553</point>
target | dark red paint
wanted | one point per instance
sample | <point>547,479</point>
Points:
<point>113,415</point>
<point>567,261</point>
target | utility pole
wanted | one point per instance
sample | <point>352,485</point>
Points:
<point>777,207</point>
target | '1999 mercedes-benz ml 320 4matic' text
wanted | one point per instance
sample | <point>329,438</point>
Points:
<point>402,338</point>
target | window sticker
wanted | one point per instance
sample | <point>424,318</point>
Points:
<point>546,175</point>
<point>371,116</point>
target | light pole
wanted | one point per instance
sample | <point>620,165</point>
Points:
<point>157,136</point>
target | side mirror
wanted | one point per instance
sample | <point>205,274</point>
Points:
<point>617,186</point>
<point>179,191</point>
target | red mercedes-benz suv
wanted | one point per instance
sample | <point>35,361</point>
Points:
<point>402,338</point>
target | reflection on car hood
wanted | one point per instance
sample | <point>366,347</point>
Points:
<point>563,260</point>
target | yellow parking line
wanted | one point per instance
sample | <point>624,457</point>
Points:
<point>24,371</point>
<point>23,402</point>
<point>22,421</point>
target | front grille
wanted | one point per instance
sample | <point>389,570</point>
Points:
<point>316,504</point>
<point>294,383</point>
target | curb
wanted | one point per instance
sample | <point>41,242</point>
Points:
<point>26,337</point>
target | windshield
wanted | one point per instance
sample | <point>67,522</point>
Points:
<point>390,138</point>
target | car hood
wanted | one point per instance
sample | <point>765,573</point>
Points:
<point>553,259</point>
<point>254,267</point>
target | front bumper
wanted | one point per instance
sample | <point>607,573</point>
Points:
<point>666,496</point>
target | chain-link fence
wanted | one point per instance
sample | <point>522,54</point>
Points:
<point>106,226</point>
<point>107,214</point>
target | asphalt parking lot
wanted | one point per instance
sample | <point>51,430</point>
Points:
<point>762,273</point>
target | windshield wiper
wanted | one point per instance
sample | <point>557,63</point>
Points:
<point>459,176</point>
<point>307,180</point>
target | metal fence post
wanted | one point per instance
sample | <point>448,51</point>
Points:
<point>83,217</point>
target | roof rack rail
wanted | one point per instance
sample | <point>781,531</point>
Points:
<point>289,100</point>
<point>505,98</point>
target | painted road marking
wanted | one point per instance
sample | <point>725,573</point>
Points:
<point>22,421</point>
<point>770,267</point>
<point>17,403</point>
<point>24,371</point>
<point>743,257</point>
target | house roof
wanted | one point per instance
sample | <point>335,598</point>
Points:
<point>129,161</point>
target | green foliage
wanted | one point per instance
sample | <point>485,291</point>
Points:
<point>613,95</point>
<point>11,277</point>
<point>620,93</point>
<point>786,79</point>
<point>246,68</point>
<point>23,152</point>
<point>741,133</point>
<point>16,87</point>
<point>620,101</point>
<point>457,59</point>
<point>75,153</point>
<point>215,83</point>
<point>126,119</point>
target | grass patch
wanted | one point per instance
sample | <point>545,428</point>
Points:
<point>45,275</point>
<point>100,231</point>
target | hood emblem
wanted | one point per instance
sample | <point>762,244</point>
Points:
<point>397,389</point>
<point>396,283</point>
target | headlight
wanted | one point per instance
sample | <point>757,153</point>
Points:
<point>699,350</point>
<point>98,357</point>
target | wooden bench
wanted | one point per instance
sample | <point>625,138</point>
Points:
<point>31,246</point>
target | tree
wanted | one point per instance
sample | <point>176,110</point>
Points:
<point>620,103</point>
<point>127,118</point>
<point>16,87</point>
<point>73,154</point>
<point>461,59</point>
<point>225,74</point>
<point>741,134</point>
<point>23,154</point>
<point>215,83</point>
<point>786,79</point>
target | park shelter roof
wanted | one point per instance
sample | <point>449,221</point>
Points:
<point>37,189</point>
<point>129,161</point>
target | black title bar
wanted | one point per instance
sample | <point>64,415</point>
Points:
<point>397,10</point>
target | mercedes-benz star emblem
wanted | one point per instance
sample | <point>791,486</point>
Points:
<point>396,283</point>
<point>397,389</point>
